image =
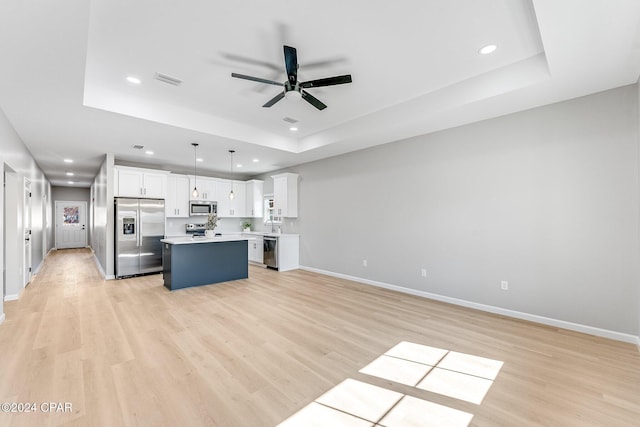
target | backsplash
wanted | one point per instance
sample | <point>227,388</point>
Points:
<point>176,226</point>
<point>288,225</point>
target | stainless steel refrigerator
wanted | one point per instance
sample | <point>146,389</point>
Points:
<point>139,228</point>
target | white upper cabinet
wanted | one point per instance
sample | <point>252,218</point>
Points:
<point>254,195</point>
<point>206,188</point>
<point>178,193</point>
<point>228,208</point>
<point>137,182</point>
<point>285,195</point>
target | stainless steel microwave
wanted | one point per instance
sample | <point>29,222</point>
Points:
<point>202,207</point>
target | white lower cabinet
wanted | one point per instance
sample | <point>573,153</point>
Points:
<point>288,252</point>
<point>255,249</point>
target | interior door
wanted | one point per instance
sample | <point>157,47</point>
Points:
<point>26,267</point>
<point>71,230</point>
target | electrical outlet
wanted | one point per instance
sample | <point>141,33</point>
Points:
<point>423,272</point>
<point>364,262</point>
<point>504,285</point>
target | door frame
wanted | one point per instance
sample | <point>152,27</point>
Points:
<point>11,256</point>
<point>27,226</point>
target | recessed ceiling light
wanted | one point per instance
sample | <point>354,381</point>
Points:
<point>239,165</point>
<point>199,159</point>
<point>68,160</point>
<point>256,160</point>
<point>69,182</point>
<point>134,80</point>
<point>293,128</point>
<point>490,48</point>
<point>69,173</point>
<point>149,152</point>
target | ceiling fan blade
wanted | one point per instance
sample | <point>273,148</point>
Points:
<point>291,64</point>
<point>251,61</point>
<point>255,79</point>
<point>313,100</point>
<point>328,81</point>
<point>275,99</point>
<point>322,63</point>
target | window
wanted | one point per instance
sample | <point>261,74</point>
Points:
<point>269,211</point>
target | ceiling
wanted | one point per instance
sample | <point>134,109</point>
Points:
<point>415,67</point>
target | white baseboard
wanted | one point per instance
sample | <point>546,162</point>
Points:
<point>13,297</point>
<point>2,317</point>
<point>489,308</point>
<point>38,268</point>
<point>95,258</point>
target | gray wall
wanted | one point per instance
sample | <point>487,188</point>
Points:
<point>70,194</point>
<point>15,155</point>
<point>546,199</point>
<point>101,216</point>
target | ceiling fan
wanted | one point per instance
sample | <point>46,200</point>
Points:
<point>292,87</point>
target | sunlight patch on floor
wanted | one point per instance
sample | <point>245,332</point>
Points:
<point>355,403</point>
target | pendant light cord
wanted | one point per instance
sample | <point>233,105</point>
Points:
<point>195,170</point>
<point>231,195</point>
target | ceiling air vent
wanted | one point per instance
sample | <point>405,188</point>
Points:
<point>167,79</point>
<point>290,120</point>
<point>138,147</point>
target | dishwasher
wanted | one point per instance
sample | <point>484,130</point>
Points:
<point>270,246</point>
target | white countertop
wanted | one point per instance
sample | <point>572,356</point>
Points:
<point>191,240</point>
<point>269,234</point>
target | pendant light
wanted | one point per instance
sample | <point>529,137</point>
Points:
<point>231,195</point>
<point>194,193</point>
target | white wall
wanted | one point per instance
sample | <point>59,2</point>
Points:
<point>546,199</point>
<point>14,154</point>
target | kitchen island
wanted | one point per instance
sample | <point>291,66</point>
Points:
<point>197,261</point>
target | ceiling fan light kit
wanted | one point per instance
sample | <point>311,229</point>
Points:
<point>292,88</point>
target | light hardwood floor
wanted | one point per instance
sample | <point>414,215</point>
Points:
<point>253,352</point>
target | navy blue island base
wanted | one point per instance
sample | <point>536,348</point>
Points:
<point>204,263</point>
